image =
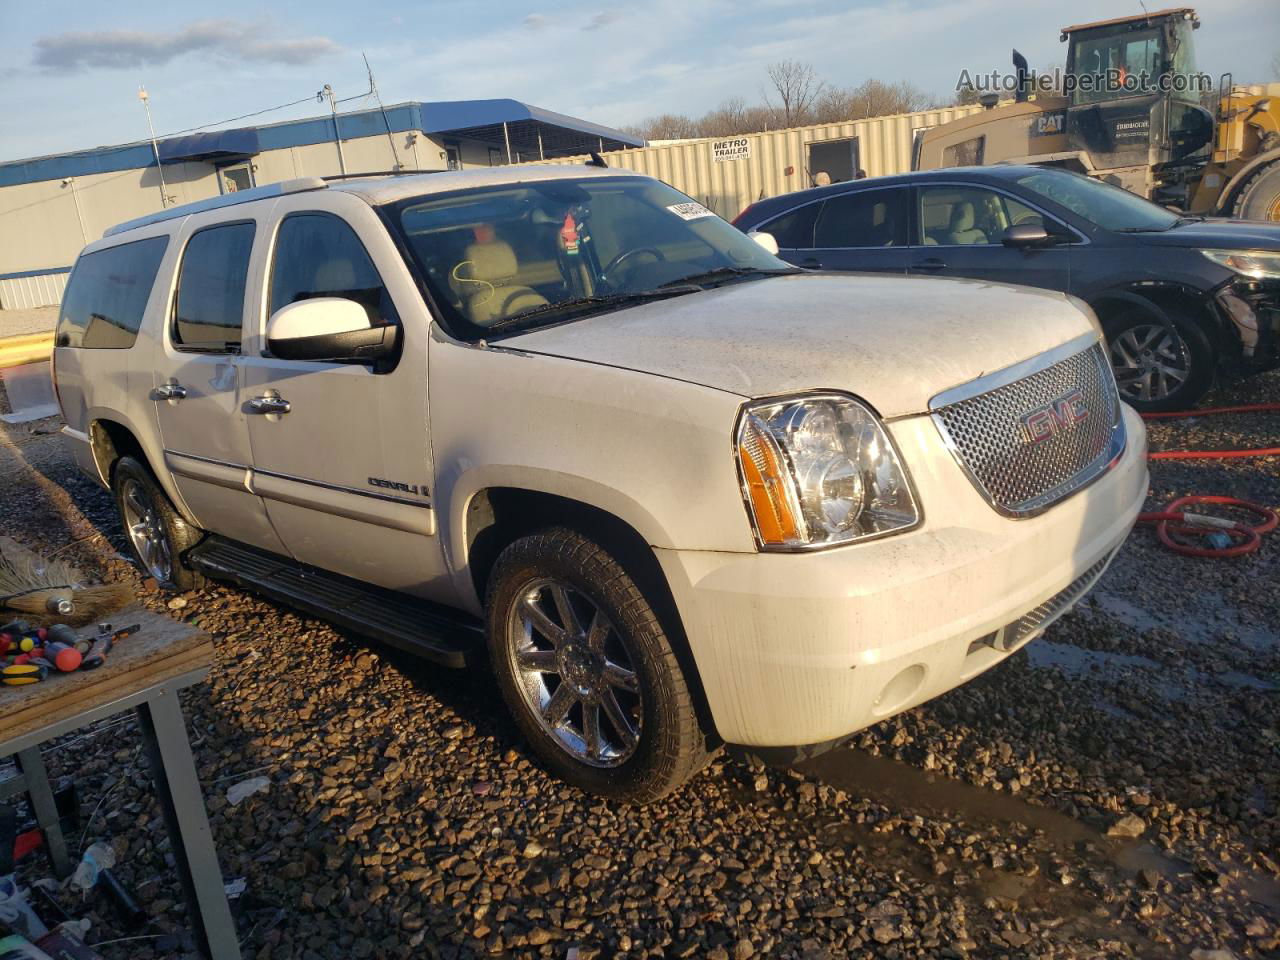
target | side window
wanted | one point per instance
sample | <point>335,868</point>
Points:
<point>209,308</point>
<point>107,294</point>
<point>964,216</point>
<point>965,154</point>
<point>867,218</point>
<point>794,229</point>
<point>319,255</point>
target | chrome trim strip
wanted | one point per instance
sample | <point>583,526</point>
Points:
<point>1018,371</point>
<point>338,488</point>
<point>78,435</point>
<point>220,473</point>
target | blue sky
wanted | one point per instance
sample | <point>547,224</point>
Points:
<point>70,71</point>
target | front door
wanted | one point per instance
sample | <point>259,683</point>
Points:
<point>346,471</point>
<point>960,235</point>
<point>197,386</point>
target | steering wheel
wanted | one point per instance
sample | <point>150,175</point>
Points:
<point>622,258</point>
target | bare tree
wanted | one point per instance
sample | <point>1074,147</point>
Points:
<point>666,126</point>
<point>725,120</point>
<point>871,98</point>
<point>797,87</point>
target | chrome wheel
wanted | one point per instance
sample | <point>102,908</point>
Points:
<point>1151,361</point>
<point>575,674</point>
<point>146,531</point>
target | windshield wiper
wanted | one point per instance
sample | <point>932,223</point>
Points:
<point>580,303</point>
<point>726,273</point>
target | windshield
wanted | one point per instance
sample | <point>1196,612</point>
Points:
<point>1123,64</point>
<point>1101,203</point>
<point>544,250</point>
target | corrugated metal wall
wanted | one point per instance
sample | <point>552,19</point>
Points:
<point>727,186</point>
<point>43,290</point>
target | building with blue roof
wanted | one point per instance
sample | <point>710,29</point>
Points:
<point>52,206</point>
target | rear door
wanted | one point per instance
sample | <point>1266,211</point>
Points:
<point>863,230</point>
<point>960,229</point>
<point>346,473</point>
<point>197,382</point>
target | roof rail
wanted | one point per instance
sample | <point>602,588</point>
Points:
<point>376,173</point>
<point>226,200</point>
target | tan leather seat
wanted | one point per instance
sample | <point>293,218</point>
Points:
<point>961,229</point>
<point>485,276</point>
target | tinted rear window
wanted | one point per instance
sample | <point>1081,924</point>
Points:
<point>107,294</point>
<point>210,301</point>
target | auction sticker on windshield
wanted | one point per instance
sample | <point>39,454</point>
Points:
<point>690,211</point>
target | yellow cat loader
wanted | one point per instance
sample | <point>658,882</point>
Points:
<point>1129,110</point>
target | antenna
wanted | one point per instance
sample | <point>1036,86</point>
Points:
<point>373,88</point>
<point>155,147</point>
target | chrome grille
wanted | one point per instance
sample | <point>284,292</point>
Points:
<point>1032,435</point>
<point>1036,620</point>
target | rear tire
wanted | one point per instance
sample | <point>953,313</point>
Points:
<point>1260,198</point>
<point>156,532</point>
<point>1158,366</point>
<point>587,670</point>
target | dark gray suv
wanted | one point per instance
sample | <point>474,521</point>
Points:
<point>1183,300</point>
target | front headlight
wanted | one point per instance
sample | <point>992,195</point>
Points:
<point>820,470</point>
<point>1258,264</point>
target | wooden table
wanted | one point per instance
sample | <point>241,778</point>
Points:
<point>143,673</point>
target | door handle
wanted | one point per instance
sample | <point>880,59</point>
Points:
<point>169,391</point>
<point>811,263</point>
<point>269,405</point>
<point>930,265</point>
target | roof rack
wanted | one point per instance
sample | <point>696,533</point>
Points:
<point>376,173</point>
<point>299,185</point>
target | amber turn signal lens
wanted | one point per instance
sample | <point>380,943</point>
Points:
<point>763,473</point>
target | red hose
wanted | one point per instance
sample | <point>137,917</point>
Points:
<point>1172,520</point>
<point>1214,454</point>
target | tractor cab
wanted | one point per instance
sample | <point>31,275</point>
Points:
<point>1134,103</point>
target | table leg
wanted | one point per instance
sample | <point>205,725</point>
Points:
<point>45,808</point>
<point>164,731</point>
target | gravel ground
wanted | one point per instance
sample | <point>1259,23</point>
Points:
<point>1110,791</point>
<point>36,320</point>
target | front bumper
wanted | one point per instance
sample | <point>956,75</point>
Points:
<point>797,649</point>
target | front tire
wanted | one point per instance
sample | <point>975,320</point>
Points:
<point>1159,366</point>
<point>1260,198</point>
<point>587,670</point>
<point>155,530</point>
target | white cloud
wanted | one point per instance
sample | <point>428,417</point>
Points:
<point>233,40</point>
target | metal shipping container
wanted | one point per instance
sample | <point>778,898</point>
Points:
<point>728,173</point>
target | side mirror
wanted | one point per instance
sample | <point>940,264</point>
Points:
<point>328,328</point>
<point>765,240</point>
<point>1025,235</point>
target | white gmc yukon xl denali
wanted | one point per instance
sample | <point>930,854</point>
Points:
<point>683,493</point>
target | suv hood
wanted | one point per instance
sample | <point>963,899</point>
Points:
<point>893,341</point>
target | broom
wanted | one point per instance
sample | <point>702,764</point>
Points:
<point>53,589</point>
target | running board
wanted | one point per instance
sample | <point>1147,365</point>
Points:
<point>431,631</point>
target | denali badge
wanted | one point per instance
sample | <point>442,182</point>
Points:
<point>403,487</point>
<point>1054,417</point>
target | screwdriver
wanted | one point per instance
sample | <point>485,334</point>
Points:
<point>23,673</point>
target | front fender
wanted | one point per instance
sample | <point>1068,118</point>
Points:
<point>656,453</point>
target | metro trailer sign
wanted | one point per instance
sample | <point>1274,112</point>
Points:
<point>739,148</point>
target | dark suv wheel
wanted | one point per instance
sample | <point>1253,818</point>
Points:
<point>587,670</point>
<point>1159,366</point>
<point>156,532</point>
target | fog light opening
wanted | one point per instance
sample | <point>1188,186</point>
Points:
<point>899,691</point>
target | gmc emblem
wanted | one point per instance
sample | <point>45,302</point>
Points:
<point>1054,417</point>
